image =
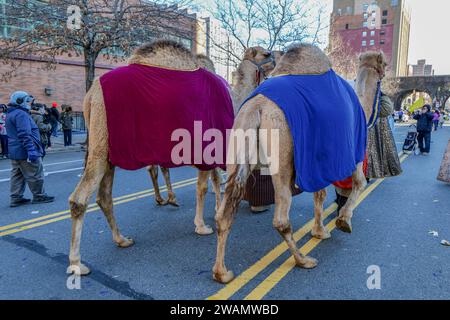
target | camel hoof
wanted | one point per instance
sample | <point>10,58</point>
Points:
<point>80,269</point>
<point>161,202</point>
<point>321,233</point>
<point>125,242</point>
<point>204,230</point>
<point>343,225</point>
<point>173,202</point>
<point>223,278</point>
<point>308,263</point>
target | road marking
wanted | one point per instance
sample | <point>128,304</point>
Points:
<point>241,280</point>
<point>51,172</point>
<point>118,200</point>
<point>92,209</point>
<point>50,164</point>
<point>275,277</point>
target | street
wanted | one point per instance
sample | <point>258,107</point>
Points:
<point>391,229</point>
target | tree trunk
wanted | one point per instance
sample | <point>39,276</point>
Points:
<point>89,67</point>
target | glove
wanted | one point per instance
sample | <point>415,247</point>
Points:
<point>33,157</point>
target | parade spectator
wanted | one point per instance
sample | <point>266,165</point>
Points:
<point>67,123</point>
<point>3,135</point>
<point>424,127</point>
<point>436,118</point>
<point>25,152</point>
<point>54,119</point>
<point>37,113</point>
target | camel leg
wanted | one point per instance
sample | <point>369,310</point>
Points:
<point>216,181</point>
<point>283,199</point>
<point>105,202</point>
<point>78,200</point>
<point>202,189</point>
<point>153,171</point>
<point>319,231</point>
<point>172,199</point>
<point>344,221</point>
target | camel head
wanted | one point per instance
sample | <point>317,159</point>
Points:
<point>375,60</point>
<point>264,60</point>
<point>303,59</point>
<point>206,63</point>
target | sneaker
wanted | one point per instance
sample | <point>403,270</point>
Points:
<point>19,202</point>
<point>425,153</point>
<point>261,209</point>
<point>43,199</point>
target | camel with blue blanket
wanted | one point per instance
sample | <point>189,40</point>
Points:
<point>315,154</point>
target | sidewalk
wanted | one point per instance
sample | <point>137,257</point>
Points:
<point>78,140</point>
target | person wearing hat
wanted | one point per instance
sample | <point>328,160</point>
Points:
<point>54,119</point>
<point>3,135</point>
<point>25,151</point>
<point>424,126</point>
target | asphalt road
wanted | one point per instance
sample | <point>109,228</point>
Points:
<point>169,261</point>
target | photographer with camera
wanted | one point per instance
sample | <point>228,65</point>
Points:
<point>38,112</point>
<point>25,151</point>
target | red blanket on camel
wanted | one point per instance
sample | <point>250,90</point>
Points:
<point>146,104</point>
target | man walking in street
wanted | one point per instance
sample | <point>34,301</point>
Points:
<point>25,151</point>
<point>424,127</point>
<point>67,124</point>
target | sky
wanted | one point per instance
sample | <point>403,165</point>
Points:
<point>430,31</point>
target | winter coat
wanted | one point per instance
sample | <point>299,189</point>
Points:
<point>3,124</point>
<point>424,121</point>
<point>44,128</point>
<point>23,134</point>
<point>67,120</point>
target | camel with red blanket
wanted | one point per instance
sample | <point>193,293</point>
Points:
<point>108,113</point>
<point>305,64</point>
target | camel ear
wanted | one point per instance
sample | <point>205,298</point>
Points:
<point>250,53</point>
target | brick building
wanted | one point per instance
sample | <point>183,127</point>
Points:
<point>374,25</point>
<point>65,84</point>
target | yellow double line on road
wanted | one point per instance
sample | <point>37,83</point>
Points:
<point>62,215</point>
<point>275,277</point>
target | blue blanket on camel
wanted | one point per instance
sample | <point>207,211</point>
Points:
<point>327,124</point>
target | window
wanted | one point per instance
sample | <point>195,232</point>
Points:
<point>349,10</point>
<point>346,26</point>
<point>365,7</point>
<point>382,32</point>
<point>372,33</point>
<point>364,34</point>
<point>365,24</point>
<point>373,23</point>
<point>372,42</point>
<point>385,13</point>
<point>339,12</point>
<point>382,41</point>
<point>365,15</point>
<point>374,14</point>
<point>364,43</point>
<point>384,21</point>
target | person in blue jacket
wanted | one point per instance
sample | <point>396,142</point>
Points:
<point>25,151</point>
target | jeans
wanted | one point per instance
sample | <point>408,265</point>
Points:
<point>435,124</point>
<point>67,137</point>
<point>4,144</point>
<point>24,172</point>
<point>424,137</point>
<point>49,139</point>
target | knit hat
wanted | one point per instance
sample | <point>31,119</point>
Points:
<point>54,104</point>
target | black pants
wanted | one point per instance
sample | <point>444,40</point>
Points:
<point>67,137</point>
<point>4,144</point>
<point>424,136</point>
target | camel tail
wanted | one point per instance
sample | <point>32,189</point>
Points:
<point>244,162</point>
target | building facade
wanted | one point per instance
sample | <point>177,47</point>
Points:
<point>379,25</point>
<point>64,83</point>
<point>421,69</point>
<point>216,43</point>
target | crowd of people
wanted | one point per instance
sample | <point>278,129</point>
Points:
<point>26,131</point>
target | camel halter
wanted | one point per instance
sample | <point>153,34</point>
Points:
<point>260,71</point>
